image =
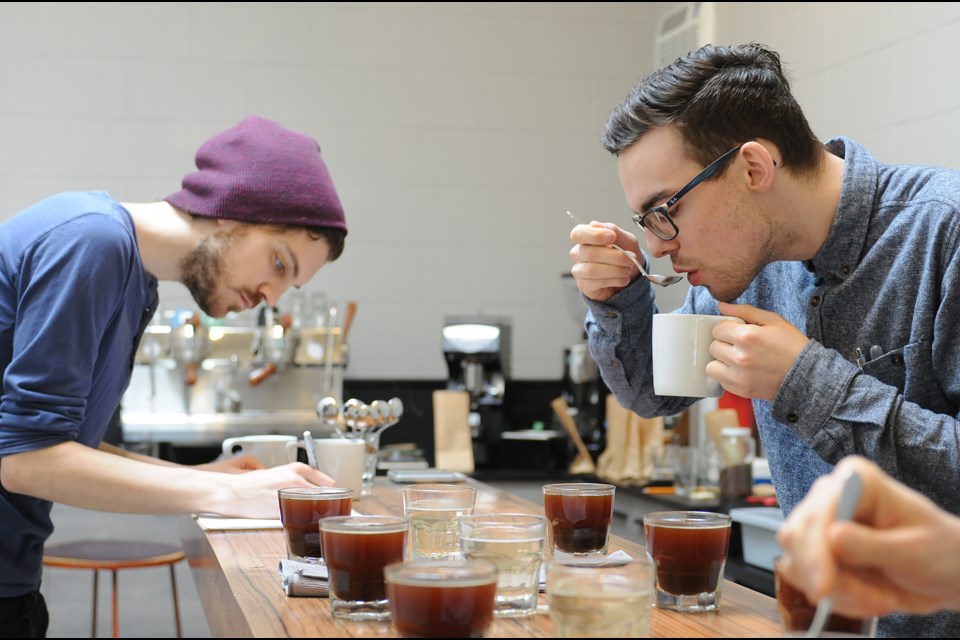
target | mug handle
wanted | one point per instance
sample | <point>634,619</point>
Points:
<point>292,448</point>
<point>229,444</point>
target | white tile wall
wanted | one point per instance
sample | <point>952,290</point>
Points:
<point>880,73</point>
<point>457,133</point>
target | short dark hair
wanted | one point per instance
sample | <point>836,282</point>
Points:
<point>335,238</point>
<point>718,97</point>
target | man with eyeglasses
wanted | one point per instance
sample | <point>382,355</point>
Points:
<point>845,270</point>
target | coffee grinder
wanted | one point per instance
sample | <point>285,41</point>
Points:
<point>477,351</point>
<point>583,388</point>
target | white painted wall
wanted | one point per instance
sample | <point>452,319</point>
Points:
<point>884,74</point>
<point>457,133</point>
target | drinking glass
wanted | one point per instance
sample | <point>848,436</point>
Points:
<point>441,598</point>
<point>686,474</point>
<point>606,600</point>
<point>371,440</point>
<point>513,542</point>
<point>433,511</point>
<point>579,514</point>
<point>356,549</point>
<point>796,612</point>
<point>689,550</point>
<point>302,509</point>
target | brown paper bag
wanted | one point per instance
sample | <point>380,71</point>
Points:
<point>650,432</point>
<point>611,461</point>
<point>452,439</point>
<point>632,443</point>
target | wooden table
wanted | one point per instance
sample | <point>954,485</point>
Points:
<point>239,586</point>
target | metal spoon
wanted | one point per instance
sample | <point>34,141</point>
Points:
<point>308,445</point>
<point>381,409</point>
<point>351,413</point>
<point>849,496</point>
<point>663,281</point>
<point>396,410</point>
<point>330,412</point>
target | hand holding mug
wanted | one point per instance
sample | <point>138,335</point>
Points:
<point>752,361</point>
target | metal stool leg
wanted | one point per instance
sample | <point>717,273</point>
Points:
<point>176,601</point>
<point>114,555</point>
<point>96,591</point>
<point>116,625</point>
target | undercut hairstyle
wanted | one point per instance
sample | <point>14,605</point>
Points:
<point>718,97</point>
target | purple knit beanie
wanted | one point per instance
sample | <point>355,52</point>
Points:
<point>260,172</point>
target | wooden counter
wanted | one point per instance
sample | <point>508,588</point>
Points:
<point>239,586</point>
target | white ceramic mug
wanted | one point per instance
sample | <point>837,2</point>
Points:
<point>340,458</point>
<point>271,450</point>
<point>681,351</point>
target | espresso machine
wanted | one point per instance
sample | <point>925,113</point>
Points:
<point>477,352</point>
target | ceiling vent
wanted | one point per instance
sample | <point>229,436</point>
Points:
<point>682,30</point>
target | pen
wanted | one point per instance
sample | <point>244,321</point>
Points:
<point>308,445</point>
<point>875,352</point>
<point>861,360</point>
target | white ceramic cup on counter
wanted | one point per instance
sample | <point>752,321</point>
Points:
<point>681,351</point>
<point>340,458</point>
<point>271,450</point>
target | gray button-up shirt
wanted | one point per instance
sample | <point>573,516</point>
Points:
<point>886,281</point>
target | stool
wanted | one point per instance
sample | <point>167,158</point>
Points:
<point>115,555</point>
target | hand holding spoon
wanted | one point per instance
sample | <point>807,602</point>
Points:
<point>663,281</point>
<point>849,496</point>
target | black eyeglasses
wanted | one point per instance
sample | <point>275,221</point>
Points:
<point>658,221</point>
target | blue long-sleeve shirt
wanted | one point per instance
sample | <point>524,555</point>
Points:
<point>74,300</point>
<point>887,275</point>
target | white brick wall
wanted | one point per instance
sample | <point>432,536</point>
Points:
<point>457,133</point>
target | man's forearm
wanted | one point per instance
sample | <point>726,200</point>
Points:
<point>139,457</point>
<point>74,474</point>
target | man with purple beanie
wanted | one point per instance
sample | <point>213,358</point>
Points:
<point>78,285</point>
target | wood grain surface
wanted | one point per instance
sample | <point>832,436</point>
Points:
<point>239,586</point>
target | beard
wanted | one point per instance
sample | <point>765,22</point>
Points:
<point>203,268</point>
<point>731,273</point>
<point>732,287</point>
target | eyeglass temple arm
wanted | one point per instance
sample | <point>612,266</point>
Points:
<point>706,173</point>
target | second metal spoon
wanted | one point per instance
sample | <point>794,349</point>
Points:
<point>663,281</point>
<point>849,497</point>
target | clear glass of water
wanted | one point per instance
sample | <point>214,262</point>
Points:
<point>434,511</point>
<point>514,543</point>
<point>608,600</point>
